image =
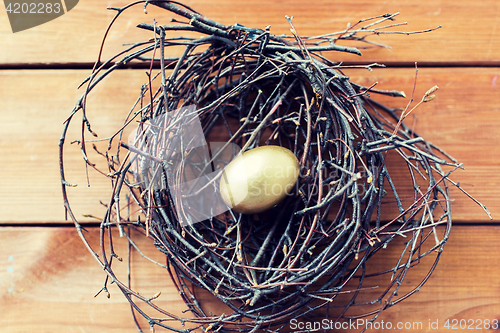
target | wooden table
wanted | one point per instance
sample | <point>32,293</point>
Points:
<point>47,277</point>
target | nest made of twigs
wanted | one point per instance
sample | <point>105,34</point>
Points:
<point>252,88</point>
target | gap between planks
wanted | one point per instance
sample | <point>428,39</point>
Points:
<point>91,225</point>
<point>146,65</point>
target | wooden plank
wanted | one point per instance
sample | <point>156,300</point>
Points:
<point>34,106</point>
<point>458,291</point>
<point>462,120</point>
<point>48,280</point>
<point>469,33</point>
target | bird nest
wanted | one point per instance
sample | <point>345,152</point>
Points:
<point>231,90</point>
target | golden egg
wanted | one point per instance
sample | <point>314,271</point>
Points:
<point>259,179</point>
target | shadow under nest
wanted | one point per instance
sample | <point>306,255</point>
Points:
<point>296,260</point>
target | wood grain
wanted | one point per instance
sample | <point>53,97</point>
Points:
<point>34,106</point>
<point>469,33</point>
<point>48,280</point>
<point>463,120</point>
